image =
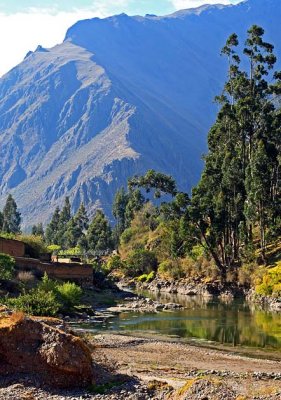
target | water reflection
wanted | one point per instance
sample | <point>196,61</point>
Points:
<point>234,323</point>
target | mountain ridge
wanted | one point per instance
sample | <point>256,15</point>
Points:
<point>119,96</point>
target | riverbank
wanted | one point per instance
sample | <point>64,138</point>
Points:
<point>155,369</point>
<point>226,291</point>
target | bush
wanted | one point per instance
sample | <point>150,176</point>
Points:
<point>141,262</point>
<point>113,263</point>
<point>150,277</point>
<point>246,274</point>
<point>69,294</point>
<point>47,284</point>
<point>271,283</point>
<point>126,236</point>
<point>7,266</point>
<point>171,269</point>
<point>36,302</point>
<point>53,248</point>
<point>35,243</point>
<point>142,278</point>
<point>74,251</point>
<point>26,279</point>
<point>48,298</point>
<point>146,277</point>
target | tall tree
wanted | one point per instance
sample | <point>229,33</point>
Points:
<point>52,228</point>
<point>239,185</point>
<point>11,216</point>
<point>64,218</point>
<point>99,235</point>
<point>38,230</point>
<point>119,210</point>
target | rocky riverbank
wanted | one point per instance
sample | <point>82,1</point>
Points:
<point>266,302</point>
<point>143,304</point>
<point>196,287</point>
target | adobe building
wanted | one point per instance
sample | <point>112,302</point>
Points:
<point>12,247</point>
<point>77,272</point>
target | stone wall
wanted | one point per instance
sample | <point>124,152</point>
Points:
<point>14,248</point>
<point>81,274</point>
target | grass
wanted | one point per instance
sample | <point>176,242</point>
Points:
<point>104,388</point>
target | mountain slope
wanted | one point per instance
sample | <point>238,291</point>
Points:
<point>118,96</point>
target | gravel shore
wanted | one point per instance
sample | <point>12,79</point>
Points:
<point>135,368</point>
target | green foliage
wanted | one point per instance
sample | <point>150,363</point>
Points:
<point>11,217</point>
<point>52,228</point>
<point>126,236</point>
<point>53,248</point>
<point>239,191</point>
<point>70,252</point>
<point>99,235</point>
<point>113,263</point>
<point>146,277</point>
<point>48,298</point>
<point>141,262</point>
<point>47,284</point>
<point>7,266</point>
<point>171,269</point>
<point>5,235</point>
<point>37,302</point>
<point>38,230</point>
<point>271,283</point>
<point>161,183</point>
<point>197,252</point>
<point>36,243</point>
<point>69,294</point>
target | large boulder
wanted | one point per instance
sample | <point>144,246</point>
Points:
<point>32,347</point>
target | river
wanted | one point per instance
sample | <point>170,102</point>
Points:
<point>206,321</point>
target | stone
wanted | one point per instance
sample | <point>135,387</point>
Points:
<point>30,346</point>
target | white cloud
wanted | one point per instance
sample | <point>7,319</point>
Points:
<point>22,32</point>
<point>183,4</point>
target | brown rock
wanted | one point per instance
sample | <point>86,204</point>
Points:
<point>30,346</point>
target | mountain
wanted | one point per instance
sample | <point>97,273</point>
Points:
<point>119,96</point>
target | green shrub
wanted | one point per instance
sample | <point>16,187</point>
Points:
<point>7,266</point>
<point>197,252</point>
<point>271,282</point>
<point>142,278</point>
<point>141,262</point>
<point>6,235</point>
<point>113,263</point>
<point>171,269</point>
<point>36,244</point>
<point>150,276</point>
<point>126,236</point>
<point>37,302</point>
<point>74,251</point>
<point>47,284</point>
<point>53,248</point>
<point>70,294</point>
<point>48,298</point>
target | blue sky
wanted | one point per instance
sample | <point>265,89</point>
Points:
<point>26,23</point>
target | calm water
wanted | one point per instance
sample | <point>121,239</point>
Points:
<point>235,323</point>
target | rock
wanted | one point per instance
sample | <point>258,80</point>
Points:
<point>30,346</point>
<point>172,306</point>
